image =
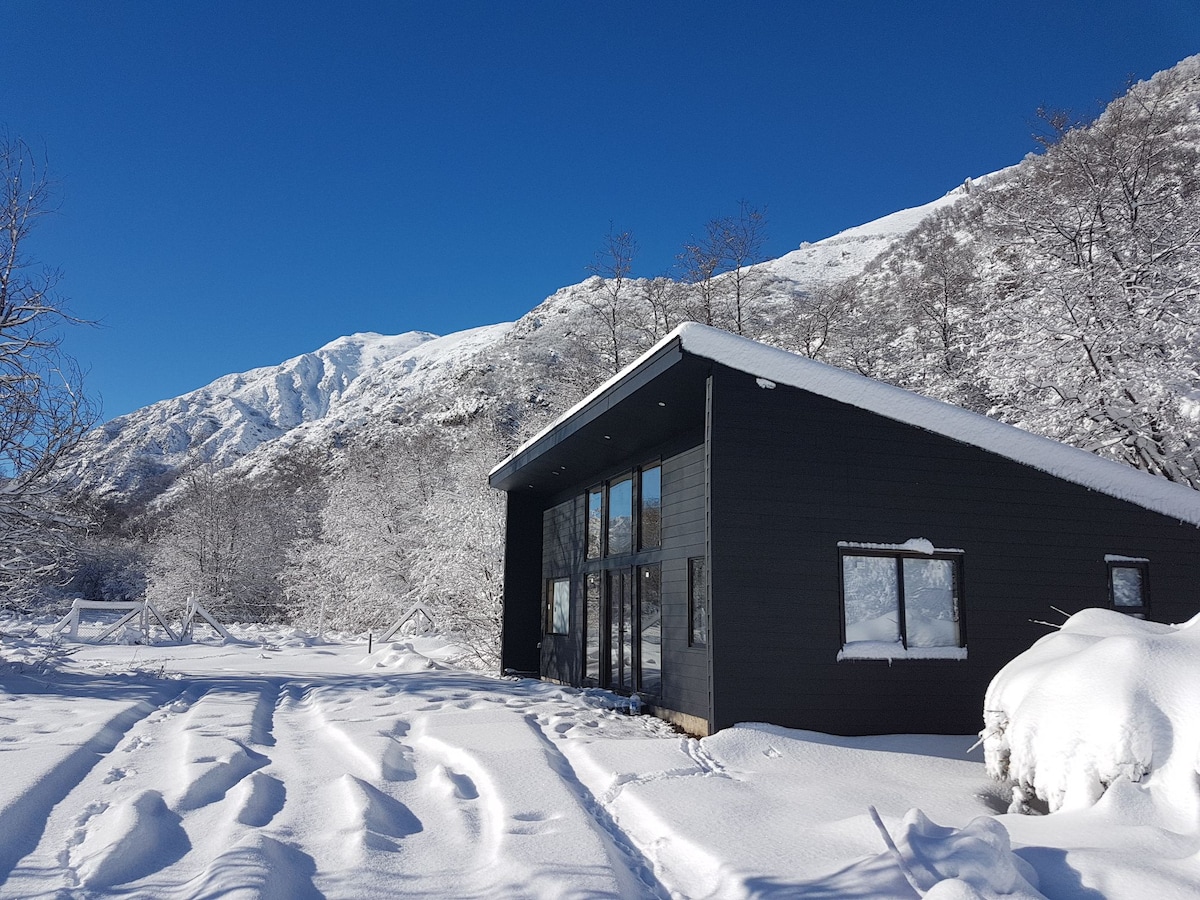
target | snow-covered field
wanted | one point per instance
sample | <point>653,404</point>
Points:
<point>283,766</point>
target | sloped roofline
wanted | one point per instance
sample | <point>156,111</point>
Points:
<point>1052,457</point>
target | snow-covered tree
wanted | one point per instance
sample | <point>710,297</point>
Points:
<point>353,574</point>
<point>1092,337</point>
<point>224,539</point>
<point>43,411</point>
<point>459,571</point>
<point>914,316</point>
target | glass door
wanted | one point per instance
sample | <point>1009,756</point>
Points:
<point>619,612</point>
<point>649,585</point>
<point>593,623</point>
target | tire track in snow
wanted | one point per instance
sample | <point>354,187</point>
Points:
<point>23,822</point>
<point>392,810</point>
<point>639,864</point>
<point>181,786</point>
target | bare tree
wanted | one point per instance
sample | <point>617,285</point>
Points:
<point>660,297</point>
<point>717,265</point>
<point>43,412</point>
<point>741,239</point>
<point>816,319</point>
<point>699,264</point>
<point>610,298</point>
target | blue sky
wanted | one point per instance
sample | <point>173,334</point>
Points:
<point>244,182</point>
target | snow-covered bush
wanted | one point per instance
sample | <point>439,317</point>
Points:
<point>1106,699</point>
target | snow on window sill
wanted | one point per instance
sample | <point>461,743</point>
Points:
<point>890,651</point>
<point>912,545</point>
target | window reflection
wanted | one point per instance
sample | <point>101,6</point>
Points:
<point>651,508</point>
<point>650,622</point>
<point>595,522</point>
<point>620,517</point>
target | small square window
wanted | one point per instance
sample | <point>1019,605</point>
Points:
<point>1129,585</point>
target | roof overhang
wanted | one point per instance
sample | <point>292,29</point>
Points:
<point>653,401</point>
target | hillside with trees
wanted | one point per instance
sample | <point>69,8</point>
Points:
<point>1060,295</point>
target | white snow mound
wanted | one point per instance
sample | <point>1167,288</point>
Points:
<point>974,862</point>
<point>1107,704</point>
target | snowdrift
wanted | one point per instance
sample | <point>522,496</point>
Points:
<point>1109,704</point>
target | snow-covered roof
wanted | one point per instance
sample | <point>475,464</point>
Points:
<point>1046,455</point>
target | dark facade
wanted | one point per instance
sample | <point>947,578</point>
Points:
<point>735,549</point>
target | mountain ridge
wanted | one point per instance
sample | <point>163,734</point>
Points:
<point>245,418</point>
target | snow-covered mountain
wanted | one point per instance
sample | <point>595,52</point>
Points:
<point>351,382</point>
<point>235,414</point>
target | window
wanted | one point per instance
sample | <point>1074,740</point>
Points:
<point>592,626</point>
<point>1128,584</point>
<point>611,519</point>
<point>697,602</point>
<point>595,523</point>
<point>558,597</point>
<point>650,508</point>
<point>650,629</point>
<point>896,598</point>
<point>620,516</point>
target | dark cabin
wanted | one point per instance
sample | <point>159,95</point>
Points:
<point>735,533</point>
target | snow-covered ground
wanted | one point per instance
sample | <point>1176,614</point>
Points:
<point>283,766</point>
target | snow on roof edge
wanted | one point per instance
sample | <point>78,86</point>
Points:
<point>1044,454</point>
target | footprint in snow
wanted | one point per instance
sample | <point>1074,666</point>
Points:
<point>464,785</point>
<point>531,823</point>
<point>397,762</point>
<point>264,796</point>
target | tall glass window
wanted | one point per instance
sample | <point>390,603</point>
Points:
<point>620,516</point>
<point>930,617</point>
<point>621,625</point>
<point>870,598</point>
<point>650,508</point>
<point>697,602</point>
<point>593,625</point>
<point>595,523</point>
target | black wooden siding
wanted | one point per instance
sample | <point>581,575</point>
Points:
<point>685,669</point>
<point>792,474</point>
<point>562,557</point>
<point>521,627</point>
